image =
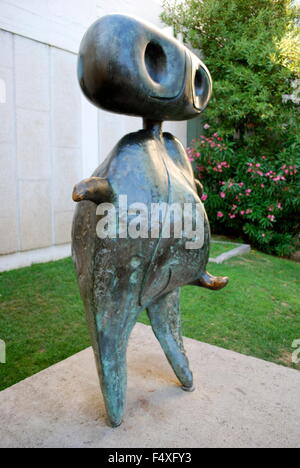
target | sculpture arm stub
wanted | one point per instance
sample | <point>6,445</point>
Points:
<point>95,189</point>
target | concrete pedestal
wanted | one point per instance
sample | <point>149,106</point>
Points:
<point>239,401</point>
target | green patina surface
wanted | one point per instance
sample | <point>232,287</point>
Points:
<point>42,318</point>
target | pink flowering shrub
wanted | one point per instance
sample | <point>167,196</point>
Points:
<point>254,197</point>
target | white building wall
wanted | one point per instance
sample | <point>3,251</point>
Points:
<point>60,23</point>
<point>40,152</point>
<point>50,135</point>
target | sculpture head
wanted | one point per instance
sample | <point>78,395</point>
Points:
<point>130,67</point>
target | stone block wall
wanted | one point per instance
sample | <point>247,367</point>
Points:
<point>40,143</point>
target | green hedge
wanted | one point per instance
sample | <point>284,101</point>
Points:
<point>256,197</point>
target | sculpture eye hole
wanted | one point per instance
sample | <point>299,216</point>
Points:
<point>155,61</point>
<point>198,83</point>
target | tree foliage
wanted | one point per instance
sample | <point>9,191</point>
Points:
<point>252,51</point>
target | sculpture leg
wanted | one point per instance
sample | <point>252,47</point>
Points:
<point>164,316</point>
<point>112,339</point>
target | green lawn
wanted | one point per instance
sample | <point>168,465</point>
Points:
<point>42,319</point>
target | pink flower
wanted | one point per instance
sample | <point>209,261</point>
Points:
<point>257,165</point>
<point>248,211</point>
<point>242,213</point>
<point>262,185</point>
<point>241,184</point>
<point>263,235</point>
<point>204,197</point>
<point>222,195</point>
<point>279,206</point>
<point>271,218</point>
<point>216,135</point>
<point>206,126</point>
<point>232,216</point>
<point>220,214</point>
<point>234,207</point>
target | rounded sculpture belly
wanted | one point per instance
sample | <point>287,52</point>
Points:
<point>164,256</point>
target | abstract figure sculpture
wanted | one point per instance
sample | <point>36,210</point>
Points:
<point>130,67</point>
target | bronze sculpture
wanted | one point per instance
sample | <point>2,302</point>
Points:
<point>127,66</point>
